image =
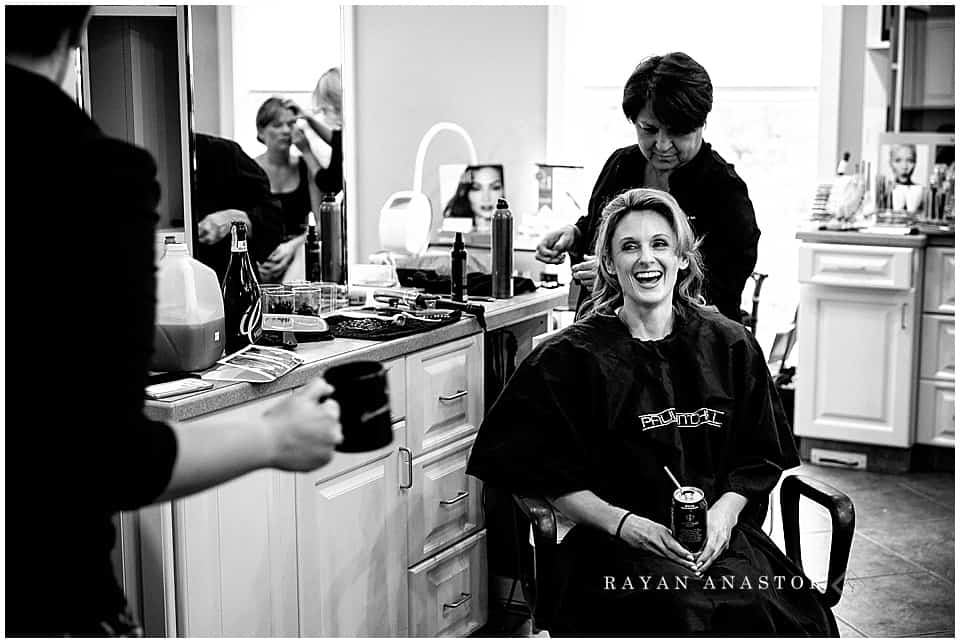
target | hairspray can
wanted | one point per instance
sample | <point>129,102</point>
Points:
<point>501,247</point>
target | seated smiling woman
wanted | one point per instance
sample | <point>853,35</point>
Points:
<point>650,378</point>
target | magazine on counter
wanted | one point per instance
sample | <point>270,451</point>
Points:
<point>258,364</point>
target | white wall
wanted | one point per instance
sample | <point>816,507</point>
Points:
<point>482,67</point>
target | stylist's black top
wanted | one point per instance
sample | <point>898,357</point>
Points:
<point>226,178</point>
<point>79,339</point>
<point>714,198</point>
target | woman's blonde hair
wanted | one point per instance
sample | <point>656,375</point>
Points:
<point>607,291</point>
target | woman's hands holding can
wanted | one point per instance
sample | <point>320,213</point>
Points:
<point>721,518</point>
<point>651,536</point>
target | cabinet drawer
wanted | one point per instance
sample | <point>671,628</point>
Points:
<point>444,502</point>
<point>937,342</point>
<point>938,281</point>
<point>448,593</point>
<point>445,393</point>
<point>831,264</point>
<point>397,385</point>
<point>936,410</point>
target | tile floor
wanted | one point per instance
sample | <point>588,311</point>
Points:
<point>900,575</point>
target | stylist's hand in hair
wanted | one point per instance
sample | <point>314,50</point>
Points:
<point>304,428</point>
<point>651,536</point>
<point>556,243</point>
<point>585,271</point>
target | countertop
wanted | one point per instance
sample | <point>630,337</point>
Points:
<point>928,237</point>
<point>321,355</point>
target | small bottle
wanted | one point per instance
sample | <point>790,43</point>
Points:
<point>458,269</point>
<point>243,322</point>
<point>332,240</point>
<point>501,248</point>
<point>312,251</point>
<point>842,165</point>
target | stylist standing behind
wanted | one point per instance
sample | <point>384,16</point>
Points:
<point>667,99</point>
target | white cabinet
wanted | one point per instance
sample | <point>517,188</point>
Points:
<point>352,532</point>
<point>352,549</point>
<point>936,401</point>
<point>856,365</point>
<point>236,551</point>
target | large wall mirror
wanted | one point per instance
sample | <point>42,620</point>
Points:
<point>173,79</point>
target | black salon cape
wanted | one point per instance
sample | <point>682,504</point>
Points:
<point>593,408</point>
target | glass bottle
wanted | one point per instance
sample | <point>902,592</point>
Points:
<point>332,240</point>
<point>241,294</point>
<point>458,270</point>
<point>312,251</point>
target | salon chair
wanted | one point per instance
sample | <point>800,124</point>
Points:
<point>542,566</point>
<point>750,319</point>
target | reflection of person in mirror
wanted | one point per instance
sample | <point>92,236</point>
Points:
<point>328,105</point>
<point>278,130</point>
<point>230,186</point>
<point>907,195</point>
<point>476,197</point>
<point>667,99</point>
<point>87,450</point>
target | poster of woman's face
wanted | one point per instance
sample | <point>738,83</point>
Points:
<point>905,163</point>
<point>476,195</point>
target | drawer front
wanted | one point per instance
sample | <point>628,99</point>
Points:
<point>448,593</point>
<point>936,411</point>
<point>397,384</point>
<point>831,264</point>
<point>445,393</point>
<point>937,342</point>
<point>444,502</point>
<point>938,281</point>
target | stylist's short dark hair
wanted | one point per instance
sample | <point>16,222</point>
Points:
<point>675,86</point>
<point>36,30</point>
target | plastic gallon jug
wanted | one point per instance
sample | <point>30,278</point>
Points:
<point>189,332</point>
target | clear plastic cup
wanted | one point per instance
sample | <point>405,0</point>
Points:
<point>277,301</point>
<point>306,300</point>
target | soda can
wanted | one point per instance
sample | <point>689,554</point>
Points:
<point>688,518</point>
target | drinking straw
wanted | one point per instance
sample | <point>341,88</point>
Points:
<point>672,478</point>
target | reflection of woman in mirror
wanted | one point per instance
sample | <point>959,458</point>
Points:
<point>907,195</point>
<point>476,195</point>
<point>328,105</point>
<point>289,183</point>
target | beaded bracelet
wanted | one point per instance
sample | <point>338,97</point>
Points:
<point>623,520</point>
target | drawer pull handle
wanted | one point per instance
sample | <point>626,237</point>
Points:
<point>463,495</point>
<point>452,606</point>
<point>409,484</point>
<point>455,396</point>
<point>903,317</point>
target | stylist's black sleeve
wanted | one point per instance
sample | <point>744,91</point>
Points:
<point>730,249</point>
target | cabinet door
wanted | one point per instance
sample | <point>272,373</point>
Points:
<point>444,502</point>
<point>448,593</point>
<point>856,365</point>
<point>936,413</point>
<point>236,550</point>
<point>352,539</point>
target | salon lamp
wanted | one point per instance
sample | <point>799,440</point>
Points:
<point>406,216</point>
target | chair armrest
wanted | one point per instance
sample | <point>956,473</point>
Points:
<point>541,516</point>
<point>841,518</point>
